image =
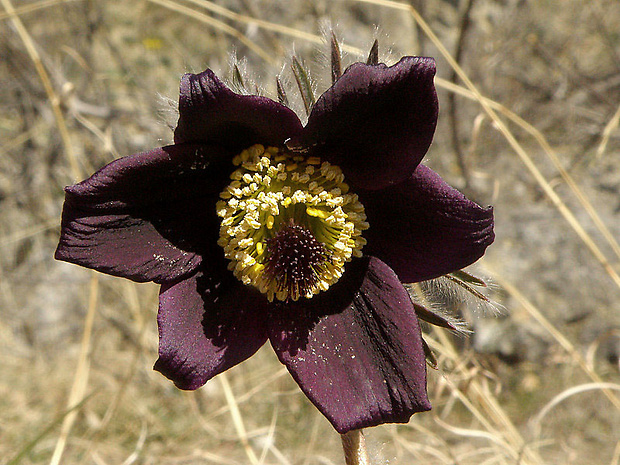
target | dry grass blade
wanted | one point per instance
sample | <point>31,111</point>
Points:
<point>474,94</point>
<point>609,129</point>
<point>270,436</point>
<point>47,84</point>
<point>415,448</point>
<point>615,460</point>
<point>80,381</point>
<point>25,9</point>
<point>30,446</point>
<point>135,455</point>
<point>311,441</point>
<point>29,232</point>
<point>463,29</point>
<point>486,409</point>
<point>542,141</point>
<point>269,26</point>
<point>558,336</point>
<point>249,393</point>
<point>472,433</point>
<point>117,57</point>
<point>237,419</point>
<point>525,158</point>
<point>218,25</point>
<point>537,420</point>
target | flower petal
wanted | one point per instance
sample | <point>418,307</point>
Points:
<point>147,217</point>
<point>363,365</point>
<point>376,122</point>
<point>206,327</point>
<point>423,228</point>
<point>210,112</point>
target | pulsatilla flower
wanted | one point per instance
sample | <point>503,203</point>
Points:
<point>260,228</point>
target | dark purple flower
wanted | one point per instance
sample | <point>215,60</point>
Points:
<point>253,240</point>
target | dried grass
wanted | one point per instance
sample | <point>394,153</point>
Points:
<point>539,80</point>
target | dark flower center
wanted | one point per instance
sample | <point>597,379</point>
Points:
<point>289,223</point>
<point>295,260</point>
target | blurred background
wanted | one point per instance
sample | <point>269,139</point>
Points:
<point>532,129</point>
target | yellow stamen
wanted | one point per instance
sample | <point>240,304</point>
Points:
<point>272,189</point>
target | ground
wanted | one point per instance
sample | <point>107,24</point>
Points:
<point>536,382</point>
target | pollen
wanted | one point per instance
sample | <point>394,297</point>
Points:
<point>289,223</point>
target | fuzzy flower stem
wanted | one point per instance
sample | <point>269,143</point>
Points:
<point>354,446</point>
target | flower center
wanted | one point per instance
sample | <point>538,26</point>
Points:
<point>289,223</point>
